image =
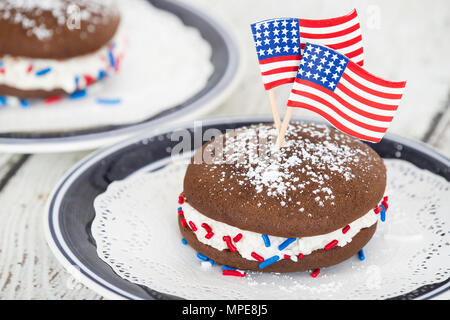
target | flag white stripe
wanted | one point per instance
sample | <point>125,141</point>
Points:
<point>351,48</point>
<point>279,64</point>
<point>323,30</point>
<point>369,96</point>
<point>279,76</point>
<point>372,85</point>
<point>361,105</point>
<point>358,58</point>
<point>335,40</point>
<point>338,118</point>
<point>354,115</point>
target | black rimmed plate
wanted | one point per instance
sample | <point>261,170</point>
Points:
<point>70,209</point>
<point>224,58</point>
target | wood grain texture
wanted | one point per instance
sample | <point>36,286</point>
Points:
<point>405,44</point>
<point>28,270</point>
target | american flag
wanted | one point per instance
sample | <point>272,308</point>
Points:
<point>280,42</point>
<point>350,98</point>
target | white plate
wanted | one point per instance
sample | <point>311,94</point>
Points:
<point>68,226</point>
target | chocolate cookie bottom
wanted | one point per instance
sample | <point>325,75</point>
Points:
<point>27,94</point>
<point>317,259</point>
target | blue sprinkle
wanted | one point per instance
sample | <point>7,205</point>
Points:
<point>24,103</point>
<point>43,72</point>
<point>202,257</point>
<point>266,240</point>
<point>211,261</point>
<point>3,101</point>
<point>1,64</point>
<point>112,61</point>
<point>101,74</point>
<point>383,213</point>
<point>180,208</point>
<point>109,101</point>
<point>77,81</point>
<point>78,94</point>
<point>228,268</point>
<point>269,261</point>
<point>361,255</point>
<point>183,241</point>
<point>286,242</point>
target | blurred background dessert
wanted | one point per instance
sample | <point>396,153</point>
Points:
<point>56,47</point>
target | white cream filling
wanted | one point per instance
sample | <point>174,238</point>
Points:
<point>63,74</point>
<point>253,242</point>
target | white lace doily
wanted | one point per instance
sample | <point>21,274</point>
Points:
<point>137,234</point>
<point>165,64</point>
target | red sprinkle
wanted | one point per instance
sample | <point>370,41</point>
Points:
<point>300,256</point>
<point>181,212</point>
<point>286,256</point>
<point>206,227</point>
<point>193,226</point>
<point>238,237</point>
<point>118,60</point>
<point>377,210</point>
<point>89,80</point>
<point>180,200</point>
<point>30,68</point>
<point>345,229</point>
<point>315,273</point>
<point>386,198</point>
<point>184,223</point>
<point>209,235</point>
<point>257,256</point>
<point>384,203</point>
<point>230,245</point>
<point>52,99</point>
<point>331,245</point>
<point>2,70</point>
<point>233,273</point>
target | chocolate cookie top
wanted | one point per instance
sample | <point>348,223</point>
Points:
<point>56,29</point>
<point>320,181</point>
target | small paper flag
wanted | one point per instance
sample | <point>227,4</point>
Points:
<point>350,98</point>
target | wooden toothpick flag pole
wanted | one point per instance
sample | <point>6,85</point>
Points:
<point>282,132</point>
<point>273,105</point>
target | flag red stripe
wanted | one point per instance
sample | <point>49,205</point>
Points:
<point>309,23</point>
<point>277,83</point>
<point>332,120</point>
<point>365,101</point>
<point>280,58</point>
<point>369,90</point>
<point>279,70</point>
<point>331,34</point>
<point>360,63</point>
<point>355,53</point>
<point>345,44</point>
<point>345,103</point>
<point>339,112</point>
<point>372,78</point>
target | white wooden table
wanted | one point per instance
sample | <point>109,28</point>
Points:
<point>403,40</point>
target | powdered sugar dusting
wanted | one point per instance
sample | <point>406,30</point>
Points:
<point>28,13</point>
<point>311,151</point>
